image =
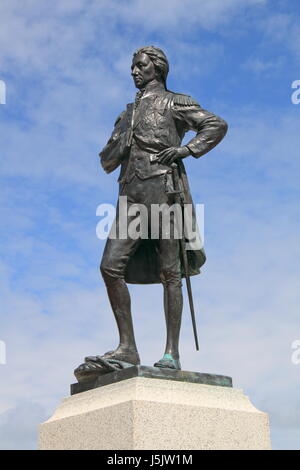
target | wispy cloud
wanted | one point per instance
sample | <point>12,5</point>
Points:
<point>18,426</point>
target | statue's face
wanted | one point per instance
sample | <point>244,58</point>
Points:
<point>142,70</point>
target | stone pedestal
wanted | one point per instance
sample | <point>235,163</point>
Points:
<point>156,414</point>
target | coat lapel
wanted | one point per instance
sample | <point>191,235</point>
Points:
<point>145,106</point>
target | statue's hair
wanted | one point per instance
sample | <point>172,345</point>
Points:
<point>158,58</point>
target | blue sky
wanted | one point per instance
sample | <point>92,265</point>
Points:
<point>66,65</point>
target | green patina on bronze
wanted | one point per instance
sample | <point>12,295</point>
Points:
<point>152,373</point>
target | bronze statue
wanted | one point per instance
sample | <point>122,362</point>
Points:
<point>146,144</point>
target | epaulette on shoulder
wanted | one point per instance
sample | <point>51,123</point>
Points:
<point>179,99</point>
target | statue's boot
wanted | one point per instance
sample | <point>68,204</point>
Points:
<point>125,355</point>
<point>168,362</point>
<point>92,369</point>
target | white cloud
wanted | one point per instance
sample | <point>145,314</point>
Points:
<point>43,38</point>
<point>260,66</point>
<point>282,29</point>
<point>19,426</point>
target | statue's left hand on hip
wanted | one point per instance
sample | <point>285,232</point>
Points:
<point>171,154</point>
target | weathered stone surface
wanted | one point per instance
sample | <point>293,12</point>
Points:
<point>143,413</point>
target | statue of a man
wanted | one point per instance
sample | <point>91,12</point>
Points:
<point>145,142</point>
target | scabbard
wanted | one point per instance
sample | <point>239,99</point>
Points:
<point>179,198</point>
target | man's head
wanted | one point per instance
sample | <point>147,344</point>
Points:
<point>149,63</point>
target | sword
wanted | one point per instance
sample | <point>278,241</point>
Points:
<point>179,197</point>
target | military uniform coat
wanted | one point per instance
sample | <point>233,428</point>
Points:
<point>159,121</point>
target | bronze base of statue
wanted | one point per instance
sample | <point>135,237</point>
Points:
<point>127,371</point>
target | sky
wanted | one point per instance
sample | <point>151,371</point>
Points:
<point>66,69</point>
